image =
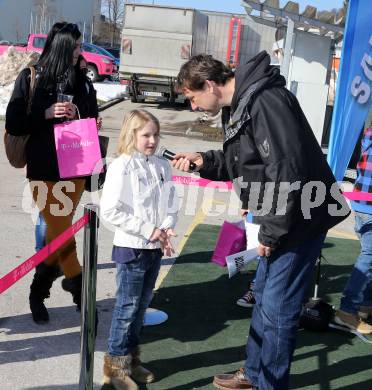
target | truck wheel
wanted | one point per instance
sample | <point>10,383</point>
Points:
<point>133,97</point>
<point>92,73</point>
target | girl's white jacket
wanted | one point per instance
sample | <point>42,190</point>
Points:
<point>139,195</point>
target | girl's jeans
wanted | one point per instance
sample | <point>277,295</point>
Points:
<point>135,281</point>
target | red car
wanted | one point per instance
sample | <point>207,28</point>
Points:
<point>99,66</point>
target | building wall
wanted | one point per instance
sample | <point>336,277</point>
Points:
<point>103,33</point>
<point>17,17</point>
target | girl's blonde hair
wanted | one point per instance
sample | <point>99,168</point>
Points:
<point>133,121</point>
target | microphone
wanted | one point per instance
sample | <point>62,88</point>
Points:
<point>170,155</point>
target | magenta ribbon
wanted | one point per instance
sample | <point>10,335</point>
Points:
<point>195,181</point>
<point>20,271</point>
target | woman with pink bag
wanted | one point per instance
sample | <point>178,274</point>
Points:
<point>60,88</point>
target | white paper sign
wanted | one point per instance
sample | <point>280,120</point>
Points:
<point>239,260</point>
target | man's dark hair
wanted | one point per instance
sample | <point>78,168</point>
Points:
<point>194,73</point>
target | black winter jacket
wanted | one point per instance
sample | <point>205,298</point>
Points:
<point>268,140</point>
<point>40,149</point>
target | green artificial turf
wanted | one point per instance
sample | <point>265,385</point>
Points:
<point>206,332</point>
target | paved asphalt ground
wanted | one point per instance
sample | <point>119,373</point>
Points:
<point>47,357</point>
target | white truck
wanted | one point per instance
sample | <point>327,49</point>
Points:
<point>156,41</point>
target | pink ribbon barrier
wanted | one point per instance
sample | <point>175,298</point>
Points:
<point>19,272</point>
<point>358,195</point>
<point>195,181</point>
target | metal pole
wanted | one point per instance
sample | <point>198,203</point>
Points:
<point>317,277</point>
<point>91,31</point>
<point>30,32</point>
<point>284,68</point>
<point>88,309</point>
<point>84,31</point>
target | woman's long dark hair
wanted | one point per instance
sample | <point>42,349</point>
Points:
<point>56,60</point>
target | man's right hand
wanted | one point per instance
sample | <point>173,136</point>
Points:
<point>181,161</point>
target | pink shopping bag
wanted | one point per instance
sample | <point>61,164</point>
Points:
<point>231,240</point>
<point>78,150</point>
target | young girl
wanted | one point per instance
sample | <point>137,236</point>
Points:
<point>140,200</point>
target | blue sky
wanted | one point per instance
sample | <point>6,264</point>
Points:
<point>234,5</point>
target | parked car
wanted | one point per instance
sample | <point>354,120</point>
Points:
<point>35,43</point>
<point>92,48</point>
<point>99,66</point>
<point>115,52</point>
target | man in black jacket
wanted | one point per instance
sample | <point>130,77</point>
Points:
<point>281,175</point>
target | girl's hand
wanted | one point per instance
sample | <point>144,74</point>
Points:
<point>167,246</point>
<point>170,233</point>
<point>168,249</point>
<point>158,235</point>
<point>163,236</point>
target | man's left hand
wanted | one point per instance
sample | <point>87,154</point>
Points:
<point>264,251</point>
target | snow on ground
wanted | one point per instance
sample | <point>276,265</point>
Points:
<point>109,90</point>
<point>12,62</point>
<point>5,93</point>
<point>106,91</point>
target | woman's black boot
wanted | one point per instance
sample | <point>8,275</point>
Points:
<point>39,290</point>
<point>73,286</point>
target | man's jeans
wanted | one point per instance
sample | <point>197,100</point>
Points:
<point>282,281</point>
<point>135,281</point>
<point>358,289</point>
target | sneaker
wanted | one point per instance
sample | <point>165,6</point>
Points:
<point>232,381</point>
<point>365,312</point>
<point>247,300</point>
<point>353,322</point>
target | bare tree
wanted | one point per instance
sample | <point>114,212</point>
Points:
<point>17,28</point>
<point>44,10</point>
<point>114,11</point>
